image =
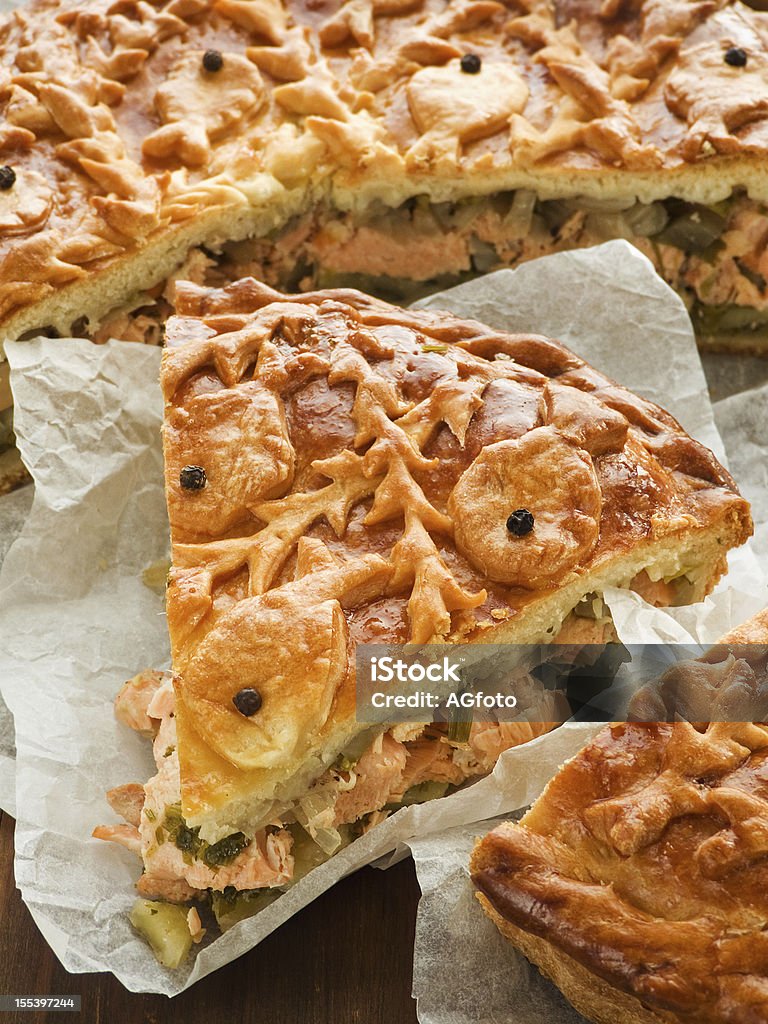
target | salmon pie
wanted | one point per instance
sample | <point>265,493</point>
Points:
<point>392,145</point>
<point>397,142</point>
<point>341,471</point>
<point>637,882</point>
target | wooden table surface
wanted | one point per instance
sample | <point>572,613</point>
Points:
<point>344,959</point>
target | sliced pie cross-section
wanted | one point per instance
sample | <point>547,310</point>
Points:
<point>397,144</point>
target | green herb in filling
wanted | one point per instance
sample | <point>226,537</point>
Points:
<point>344,763</point>
<point>424,791</point>
<point>234,905</point>
<point>695,229</point>
<point>458,732</point>
<point>728,319</point>
<point>225,850</point>
<point>188,840</point>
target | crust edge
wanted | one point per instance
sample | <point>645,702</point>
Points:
<point>593,997</point>
<point>133,271</point>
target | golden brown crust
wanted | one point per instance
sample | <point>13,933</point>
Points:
<point>753,631</point>
<point>593,997</point>
<point>121,139</point>
<point>342,440</point>
<point>638,880</point>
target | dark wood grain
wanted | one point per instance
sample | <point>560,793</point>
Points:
<point>345,959</point>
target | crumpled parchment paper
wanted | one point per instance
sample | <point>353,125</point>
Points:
<point>76,618</point>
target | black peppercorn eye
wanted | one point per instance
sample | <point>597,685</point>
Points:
<point>7,178</point>
<point>192,478</point>
<point>520,522</point>
<point>247,701</point>
<point>213,60</point>
<point>471,64</point>
<point>735,56</point>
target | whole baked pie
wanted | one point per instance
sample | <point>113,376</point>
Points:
<point>341,471</point>
<point>400,143</point>
<point>392,145</point>
<point>637,882</point>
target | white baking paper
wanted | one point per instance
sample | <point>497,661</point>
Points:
<point>11,508</point>
<point>743,423</point>
<point>7,761</point>
<point>464,971</point>
<point>76,619</point>
<point>14,509</point>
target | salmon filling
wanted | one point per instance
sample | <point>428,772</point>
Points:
<point>378,774</point>
<point>715,257</point>
<point>407,764</point>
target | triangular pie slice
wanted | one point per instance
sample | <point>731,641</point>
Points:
<point>341,471</point>
<point>637,882</point>
<point>402,143</point>
<point>360,465</point>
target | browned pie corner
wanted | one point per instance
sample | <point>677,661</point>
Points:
<point>637,882</point>
<point>593,997</point>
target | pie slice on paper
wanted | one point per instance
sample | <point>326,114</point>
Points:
<point>341,471</point>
